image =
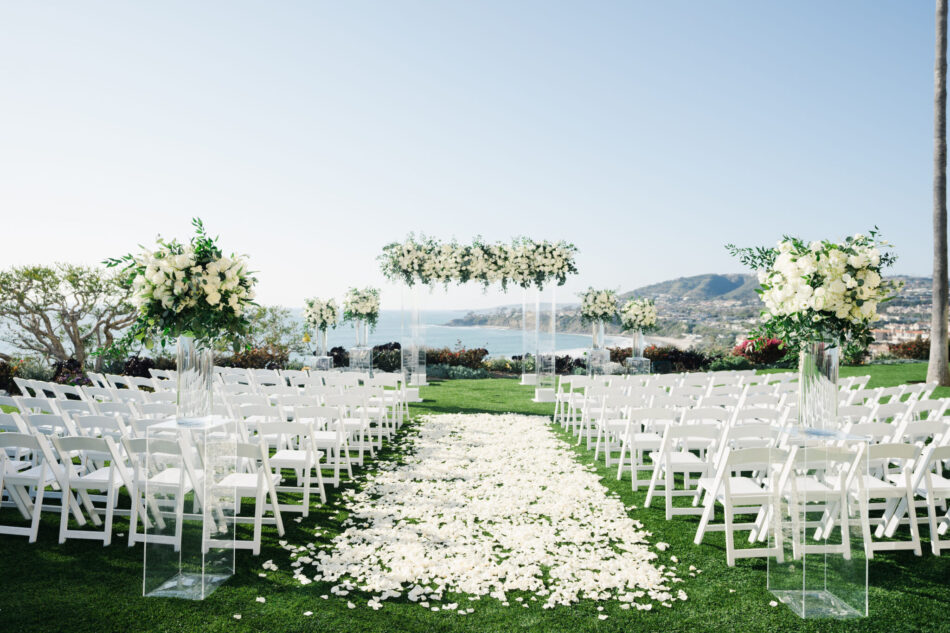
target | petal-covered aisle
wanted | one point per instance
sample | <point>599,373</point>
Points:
<point>486,505</point>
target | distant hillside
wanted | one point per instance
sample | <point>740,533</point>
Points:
<point>703,288</point>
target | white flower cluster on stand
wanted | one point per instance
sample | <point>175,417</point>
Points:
<point>321,315</point>
<point>178,282</point>
<point>485,505</point>
<point>361,304</point>
<point>638,314</point>
<point>523,262</point>
<point>821,290</point>
<point>598,305</point>
<point>824,278</point>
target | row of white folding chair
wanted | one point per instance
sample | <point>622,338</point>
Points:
<point>102,466</point>
<point>881,395</point>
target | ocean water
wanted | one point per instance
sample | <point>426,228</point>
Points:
<point>498,341</point>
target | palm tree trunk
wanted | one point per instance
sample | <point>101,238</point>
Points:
<point>937,370</point>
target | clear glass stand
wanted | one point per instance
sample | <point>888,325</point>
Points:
<point>413,342</point>
<point>186,512</point>
<point>361,354</point>
<point>529,338</point>
<point>322,363</point>
<point>545,324</point>
<point>195,371</point>
<point>598,357</point>
<point>819,568</point>
<point>637,363</point>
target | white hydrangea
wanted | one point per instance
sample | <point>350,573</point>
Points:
<point>825,278</point>
<point>638,314</point>
<point>599,305</point>
<point>321,315</point>
<point>362,304</point>
<point>176,282</point>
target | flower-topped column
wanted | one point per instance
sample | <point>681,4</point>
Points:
<point>194,294</point>
<point>638,316</point>
<point>361,308</point>
<point>820,298</point>
<point>598,307</point>
<point>321,316</point>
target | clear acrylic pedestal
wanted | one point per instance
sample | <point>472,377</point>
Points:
<point>413,343</point>
<point>545,365</point>
<point>187,514</point>
<point>322,363</point>
<point>361,359</point>
<point>529,340</point>
<point>820,569</point>
<point>637,365</point>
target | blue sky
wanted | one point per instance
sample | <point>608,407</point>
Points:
<point>309,134</point>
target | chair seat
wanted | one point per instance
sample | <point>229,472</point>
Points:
<point>738,486</point>
<point>940,484</point>
<point>328,439</point>
<point>30,476</point>
<point>679,460</point>
<point>291,458</point>
<point>245,483</point>
<point>166,480</point>
<point>99,476</point>
<point>873,484</point>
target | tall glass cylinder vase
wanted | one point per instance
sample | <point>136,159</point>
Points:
<point>637,363</point>
<point>322,361</point>
<point>195,372</point>
<point>818,385</point>
<point>361,355</point>
<point>597,335</point>
<point>638,345</point>
<point>598,357</point>
<point>362,332</point>
<point>322,342</point>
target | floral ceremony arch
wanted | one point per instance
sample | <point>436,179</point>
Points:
<point>533,265</point>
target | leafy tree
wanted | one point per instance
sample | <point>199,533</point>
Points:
<point>63,311</point>
<point>275,326</point>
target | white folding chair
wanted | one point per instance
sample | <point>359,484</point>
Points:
<point>744,483</point>
<point>254,479</point>
<point>890,478</point>
<point>295,451</point>
<point>682,452</point>
<point>91,473</point>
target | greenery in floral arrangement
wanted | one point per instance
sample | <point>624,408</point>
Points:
<point>189,289</point>
<point>638,314</point>
<point>361,305</point>
<point>321,315</point>
<point>598,305</point>
<point>820,290</point>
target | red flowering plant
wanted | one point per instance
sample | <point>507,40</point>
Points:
<point>762,350</point>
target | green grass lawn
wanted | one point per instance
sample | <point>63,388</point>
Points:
<point>81,586</point>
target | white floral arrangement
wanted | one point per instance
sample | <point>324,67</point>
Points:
<point>361,305</point>
<point>189,289</point>
<point>821,289</point>
<point>638,314</point>
<point>321,315</point>
<point>523,262</point>
<point>598,305</point>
